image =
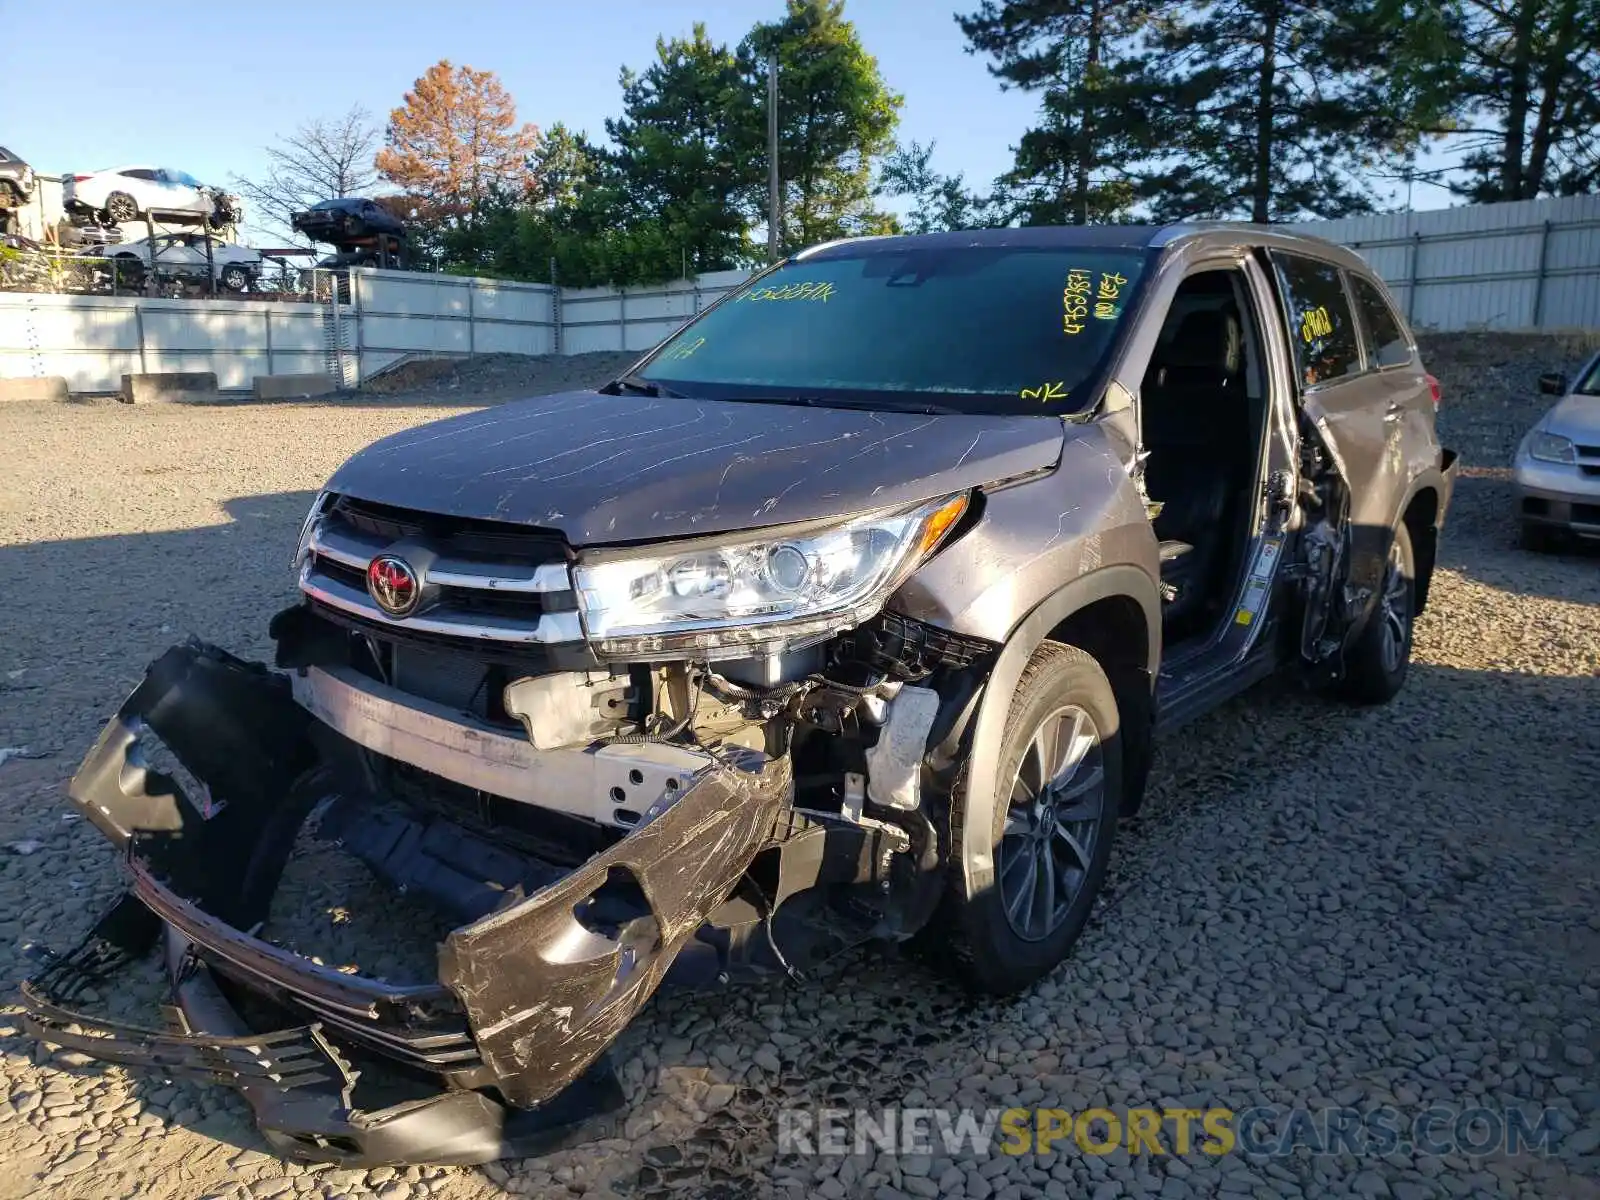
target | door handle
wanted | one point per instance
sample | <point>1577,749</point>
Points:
<point>1395,411</point>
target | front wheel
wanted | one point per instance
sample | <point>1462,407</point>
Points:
<point>121,207</point>
<point>235,279</point>
<point>1060,790</point>
<point>1377,664</point>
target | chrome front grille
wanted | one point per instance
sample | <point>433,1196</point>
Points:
<point>484,581</point>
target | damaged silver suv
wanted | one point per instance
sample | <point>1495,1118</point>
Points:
<point>849,613</point>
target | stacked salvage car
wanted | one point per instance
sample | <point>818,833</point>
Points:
<point>362,232</point>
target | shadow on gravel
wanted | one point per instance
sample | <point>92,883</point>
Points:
<point>101,608</point>
<point>1480,541</point>
<point>877,1027</point>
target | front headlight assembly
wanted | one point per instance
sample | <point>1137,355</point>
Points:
<point>739,595</point>
<point>1551,447</point>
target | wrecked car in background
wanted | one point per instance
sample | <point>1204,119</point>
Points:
<point>346,219</point>
<point>119,195</point>
<point>849,613</point>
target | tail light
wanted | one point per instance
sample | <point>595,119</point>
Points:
<point>1433,388</point>
<point>79,178</point>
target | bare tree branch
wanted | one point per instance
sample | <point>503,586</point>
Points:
<point>322,159</point>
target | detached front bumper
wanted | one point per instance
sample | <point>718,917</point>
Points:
<point>503,1046</point>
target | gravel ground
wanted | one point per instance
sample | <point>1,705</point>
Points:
<point>1317,906</point>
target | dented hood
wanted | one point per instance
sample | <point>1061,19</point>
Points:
<point>627,468</point>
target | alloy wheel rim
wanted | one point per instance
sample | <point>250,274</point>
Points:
<point>1394,611</point>
<point>1052,823</point>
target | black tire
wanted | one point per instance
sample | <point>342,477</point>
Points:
<point>234,278</point>
<point>1377,665</point>
<point>121,208</point>
<point>130,272</point>
<point>985,948</point>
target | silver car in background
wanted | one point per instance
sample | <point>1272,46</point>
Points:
<point>1557,468</point>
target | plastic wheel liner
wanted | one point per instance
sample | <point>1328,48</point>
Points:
<point>528,998</point>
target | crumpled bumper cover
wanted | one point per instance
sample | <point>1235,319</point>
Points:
<point>528,998</point>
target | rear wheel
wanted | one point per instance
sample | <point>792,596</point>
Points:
<point>1060,791</point>
<point>235,278</point>
<point>121,207</point>
<point>1377,664</point>
<point>129,271</point>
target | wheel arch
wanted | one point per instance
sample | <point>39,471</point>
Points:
<point>1423,509</point>
<point>1113,613</point>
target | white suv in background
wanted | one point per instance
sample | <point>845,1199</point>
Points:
<point>182,255</point>
<point>121,194</point>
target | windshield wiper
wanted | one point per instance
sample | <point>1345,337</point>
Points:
<point>640,387</point>
<point>895,406</point>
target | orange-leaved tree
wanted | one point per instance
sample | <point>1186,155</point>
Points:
<point>455,142</point>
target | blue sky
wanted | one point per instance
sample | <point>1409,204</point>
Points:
<point>227,78</point>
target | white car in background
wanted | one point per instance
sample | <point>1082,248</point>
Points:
<point>1556,472</point>
<point>182,255</point>
<point>121,194</point>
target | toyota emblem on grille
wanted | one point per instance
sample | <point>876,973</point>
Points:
<point>393,585</point>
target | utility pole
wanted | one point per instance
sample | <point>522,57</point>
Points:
<point>774,203</point>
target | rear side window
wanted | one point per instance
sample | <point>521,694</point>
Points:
<point>1387,344</point>
<point>1321,327</point>
<point>140,173</point>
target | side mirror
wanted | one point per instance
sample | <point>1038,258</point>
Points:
<point>1553,383</point>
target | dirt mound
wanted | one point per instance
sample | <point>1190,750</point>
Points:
<point>497,375</point>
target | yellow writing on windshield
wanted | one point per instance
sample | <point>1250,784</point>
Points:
<point>1315,323</point>
<point>677,353</point>
<point>1106,307</point>
<point>1045,392</point>
<point>809,290</point>
<point>1075,300</point>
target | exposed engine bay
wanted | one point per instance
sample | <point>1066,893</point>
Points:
<point>591,833</point>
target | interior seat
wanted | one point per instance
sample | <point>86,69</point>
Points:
<point>1196,423</point>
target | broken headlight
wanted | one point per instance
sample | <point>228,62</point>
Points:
<point>759,588</point>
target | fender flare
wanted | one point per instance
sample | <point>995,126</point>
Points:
<point>982,785</point>
<point>1440,480</point>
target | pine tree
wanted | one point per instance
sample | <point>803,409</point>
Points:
<point>836,119</point>
<point>680,161</point>
<point>1530,67</point>
<point>1275,108</point>
<point>1072,167</point>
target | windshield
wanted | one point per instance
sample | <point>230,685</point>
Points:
<point>975,328</point>
<point>1589,382</point>
<point>183,177</point>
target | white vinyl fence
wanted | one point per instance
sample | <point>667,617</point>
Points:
<point>1529,265</point>
<point>391,315</point>
<point>92,341</point>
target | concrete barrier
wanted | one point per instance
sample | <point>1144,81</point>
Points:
<point>292,387</point>
<point>36,387</point>
<point>190,387</point>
